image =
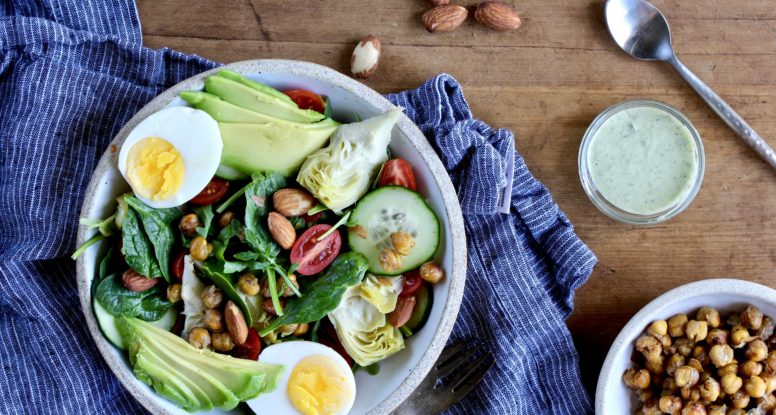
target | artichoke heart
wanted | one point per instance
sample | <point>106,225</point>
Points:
<point>382,292</point>
<point>367,347</point>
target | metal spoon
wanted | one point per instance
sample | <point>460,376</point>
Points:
<point>642,31</point>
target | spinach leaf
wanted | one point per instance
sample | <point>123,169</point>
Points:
<point>205,214</point>
<point>257,195</point>
<point>149,305</point>
<point>105,264</point>
<point>246,256</point>
<point>158,226</point>
<point>214,271</point>
<point>137,248</point>
<point>324,294</point>
<point>297,222</point>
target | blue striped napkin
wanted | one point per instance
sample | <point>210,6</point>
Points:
<point>73,72</point>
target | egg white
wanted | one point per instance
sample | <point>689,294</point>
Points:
<point>290,354</point>
<point>194,134</point>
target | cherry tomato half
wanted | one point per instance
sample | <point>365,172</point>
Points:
<point>397,172</point>
<point>313,255</point>
<point>177,265</point>
<point>307,100</point>
<point>212,193</point>
<point>412,283</point>
<point>312,218</point>
<point>179,322</point>
<point>250,349</point>
<point>330,339</point>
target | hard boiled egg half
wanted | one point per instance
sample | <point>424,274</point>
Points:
<point>317,381</point>
<point>171,156</point>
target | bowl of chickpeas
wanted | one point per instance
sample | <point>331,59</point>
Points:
<point>705,348</point>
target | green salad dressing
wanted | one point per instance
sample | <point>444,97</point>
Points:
<point>643,160</point>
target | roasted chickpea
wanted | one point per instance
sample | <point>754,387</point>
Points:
<point>390,260</point>
<point>683,346</point>
<point>739,335</point>
<point>212,297</point>
<point>402,242</point>
<point>709,315</point>
<point>650,407</point>
<point>200,249</point>
<point>694,408</point>
<point>644,395</point>
<point>767,402</point>
<point>301,329</point>
<point>750,368</point>
<point>740,399</point>
<point>674,362</point>
<point>766,330</point>
<point>755,387</point>
<point>431,272</point>
<point>222,342</point>
<point>710,390</point>
<point>225,219</point>
<point>279,282</point>
<point>670,405</point>
<point>717,336</point>
<point>669,386</point>
<point>717,410</point>
<point>174,292</point>
<point>288,329</point>
<point>731,383</point>
<point>728,369</point>
<point>248,284</point>
<point>199,337</point>
<point>700,354</point>
<point>213,319</point>
<point>695,363</point>
<point>189,224</point>
<point>770,382</point>
<point>690,393</point>
<point>757,351</point>
<point>637,380</point>
<point>770,362</point>
<point>656,364</point>
<point>752,317</point>
<point>696,330</point>
<point>658,328</point>
<point>269,308</point>
<point>686,376</point>
<point>721,355</point>
<point>649,346</point>
<point>676,325</point>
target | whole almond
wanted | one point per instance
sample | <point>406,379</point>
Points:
<point>403,311</point>
<point>497,16</point>
<point>365,57</point>
<point>293,202</point>
<point>137,283</point>
<point>444,18</point>
<point>281,230</point>
<point>235,323</point>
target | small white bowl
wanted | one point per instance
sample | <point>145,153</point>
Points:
<point>612,396</point>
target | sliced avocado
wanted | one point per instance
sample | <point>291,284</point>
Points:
<point>229,173</point>
<point>424,298</point>
<point>270,146</point>
<point>253,99</point>
<point>196,379</point>
<point>234,76</point>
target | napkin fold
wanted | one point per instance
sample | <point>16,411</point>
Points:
<point>72,73</point>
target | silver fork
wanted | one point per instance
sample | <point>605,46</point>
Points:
<point>452,377</point>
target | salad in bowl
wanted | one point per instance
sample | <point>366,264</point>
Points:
<point>265,253</point>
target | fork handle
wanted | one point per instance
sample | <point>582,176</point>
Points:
<point>726,112</point>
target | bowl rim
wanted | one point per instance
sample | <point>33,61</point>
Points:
<point>457,274</point>
<point>637,323</point>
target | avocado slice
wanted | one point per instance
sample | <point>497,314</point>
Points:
<point>271,146</point>
<point>234,76</point>
<point>194,379</point>
<point>256,100</point>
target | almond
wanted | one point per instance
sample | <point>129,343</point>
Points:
<point>281,230</point>
<point>293,202</point>
<point>403,311</point>
<point>497,16</point>
<point>365,57</point>
<point>444,18</point>
<point>137,283</point>
<point>235,323</point>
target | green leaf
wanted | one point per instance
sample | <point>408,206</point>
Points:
<point>158,226</point>
<point>314,331</point>
<point>233,198</point>
<point>325,293</point>
<point>297,222</point>
<point>81,249</point>
<point>214,271</point>
<point>137,249</point>
<point>317,208</point>
<point>105,264</point>
<point>149,305</point>
<point>246,256</point>
<point>205,214</point>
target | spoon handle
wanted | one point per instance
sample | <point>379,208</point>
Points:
<point>726,113</point>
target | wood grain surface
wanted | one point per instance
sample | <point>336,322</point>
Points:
<point>546,82</point>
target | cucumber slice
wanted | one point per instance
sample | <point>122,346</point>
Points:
<point>423,301</point>
<point>107,323</point>
<point>390,209</point>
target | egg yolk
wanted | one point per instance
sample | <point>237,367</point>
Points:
<point>155,169</point>
<point>317,386</point>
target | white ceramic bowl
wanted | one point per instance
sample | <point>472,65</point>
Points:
<point>726,295</point>
<point>400,374</point>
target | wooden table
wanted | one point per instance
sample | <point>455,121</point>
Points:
<point>546,82</point>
